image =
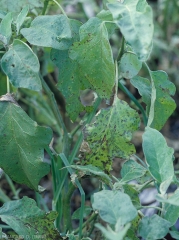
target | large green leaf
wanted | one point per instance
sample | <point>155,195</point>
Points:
<point>21,65</point>
<point>158,155</point>
<point>94,55</point>
<point>159,99</point>
<point>114,205</point>
<point>22,144</point>
<point>170,213</point>
<point>27,220</point>
<point>71,80</point>
<point>155,227</point>
<point>109,136</point>
<point>5,29</point>
<point>49,31</point>
<point>131,170</point>
<point>134,18</point>
<point>17,5</point>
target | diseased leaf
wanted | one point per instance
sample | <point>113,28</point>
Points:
<point>5,29</point>
<point>22,67</point>
<point>158,155</point>
<point>136,24</point>
<point>163,104</point>
<point>54,32</point>
<point>21,17</point>
<point>131,170</point>
<point>154,227</point>
<point>109,136</point>
<point>71,81</point>
<point>94,55</point>
<point>17,5</point>
<point>129,65</point>
<point>22,144</point>
<point>114,205</point>
<point>26,219</point>
<point>92,170</point>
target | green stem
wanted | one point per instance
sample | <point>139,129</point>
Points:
<point>142,162</point>
<point>67,208</point>
<point>11,184</point>
<point>121,49</point>
<point>90,219</point>
<point>144,185</point>
<point>64,13</point>
<point>146,207</point>
<point>54,106</point>
<point>126,91</point>
<point>45,6</point>
<point>8,85</point>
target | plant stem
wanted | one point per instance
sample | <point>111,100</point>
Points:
<point>54,106</point>
<point>142,162</point>
<point>67,208</point>
<point>129,94</point>
<point>8,85</point>
<point>64,13</point>
<point>45,6</point>
<point>90,219</point>
<point>121,49</point>
<point>11,184</point>
<point>144,185</point>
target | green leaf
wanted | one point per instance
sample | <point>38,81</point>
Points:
<point>129,65</point>
<point>136,24</point>
<point>86,212</point>
<point>158,155</point>
<point>170,213</point>
<point>110,234</point>
<point>94,55</point>
<point>174,234</point>
<point>174,199</point>
<point>49,31</point>
<point>109,136</point>
<point>163,105</point>
<point>22,144</point>
<point>26,219</point>
<point>155,227</point>
<point>5,29</point>
<point>131,170</point>
<point>133,194</point>
<point>90,169</point>
<point>113,205</point>
<point>17,5</point>
<point>71,81</point>
<point>21,65</point>
<point>21,17</point>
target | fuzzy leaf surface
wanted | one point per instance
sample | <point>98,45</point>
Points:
<point>129,65</point>
<point>22,67</point>
<point>5,29</point>
<point>153,227</point>
<point>131,170</point>
<point>170,213</point>
<point>114,205</point>
<point>21,17</point>
<point>26,219</point>
<point>136,24</point>
<point>162,103</point>
<point>22,144</point>
<point>173,200</point>
<point>54,32</point>
<point>158,155</point>
<point>94,55</point>
<point>109,136</point>
<point>17,5</point>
